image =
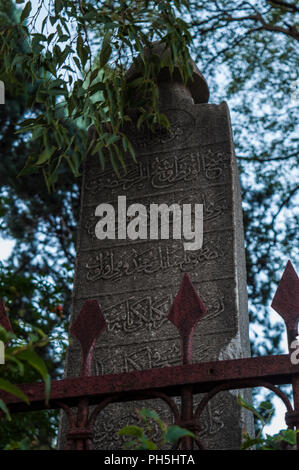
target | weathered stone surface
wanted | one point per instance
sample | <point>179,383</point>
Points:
<point>136,281</point>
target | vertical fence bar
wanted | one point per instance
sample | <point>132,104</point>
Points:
<point>186,311</point>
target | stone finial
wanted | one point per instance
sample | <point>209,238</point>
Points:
<point>197,85</point>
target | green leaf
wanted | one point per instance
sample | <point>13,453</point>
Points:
<point>147,413</point>
<point>146,445</point>
<point>141,118</point>
<point>37,362</point>
<point>266,405</point>
<point>29,166</point>
<point>132,151</point>
<point>27,122</point>
<point>44,23</point>
<point>106,49</point>
<point>164,121</point>
<point>93,75</point>
<point>251,442</point>
<point>150,445</point>
<point>289,436</point>
<point>129,445</point>
<point>4,408</point>
<point>5,335</point>
<point>112,139</point>
<point>113,162</point>
<point>53,20</point>
<point>249,407</point>
<point>13,389</point>
<point>85,54</point>
<point>9,357</point>
<point>82,50</point>
<point>174,432</point>
<point>125,143</point>
<point>137,83</point>
<point>25,12</point>
<point>50,37</point>
<point>40,37</point>
<point>96,87</point>
<point>63,38</point>
<point>55,92</point>
<point>77,62</point>
<point>102,159</point>
<point>131,431</point>
<point>45,155</point>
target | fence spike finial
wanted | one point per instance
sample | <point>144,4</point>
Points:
<point>87,327</point>
<point>286,299</point>
<point>186,311</point>
<point>187,308</point>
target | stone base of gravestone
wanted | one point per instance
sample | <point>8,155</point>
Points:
<point>222,422</point>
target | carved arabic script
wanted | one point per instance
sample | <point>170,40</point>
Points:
<point>108,265</point>
<point>161,173</point>
<point>149,312</point>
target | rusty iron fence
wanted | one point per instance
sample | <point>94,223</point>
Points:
<point>165,383</point>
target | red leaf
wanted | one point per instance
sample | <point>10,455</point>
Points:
<point>4,320</point>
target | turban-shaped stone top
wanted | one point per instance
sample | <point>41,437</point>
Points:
<point>197,84</point>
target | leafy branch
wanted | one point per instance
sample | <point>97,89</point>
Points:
<point>282,440</point>
<point>142,437</point>
<point>18,357</point>
<point>77,83</point>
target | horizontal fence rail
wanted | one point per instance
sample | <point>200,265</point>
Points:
<point>202,377</point>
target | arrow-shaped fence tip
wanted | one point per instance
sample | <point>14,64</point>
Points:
<point>286,298</point>
<point>187,308</point>
<point>88,325</point>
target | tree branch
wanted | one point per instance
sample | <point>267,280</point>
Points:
<point>285,202</point>
<point>234,44</point>
<point>284,5</point>
<point>265,160</point>
<point>291,31</point>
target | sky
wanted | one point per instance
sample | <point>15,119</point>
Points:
<point>6,247</point>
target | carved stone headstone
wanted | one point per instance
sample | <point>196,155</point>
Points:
<point>135,281</point>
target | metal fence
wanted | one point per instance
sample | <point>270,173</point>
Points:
<point>165,383</point>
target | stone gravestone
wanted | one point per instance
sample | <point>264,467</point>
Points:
<point>135,281</point>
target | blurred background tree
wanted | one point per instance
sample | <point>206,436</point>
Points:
<point>35,282</point>
<point>248,51</point>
